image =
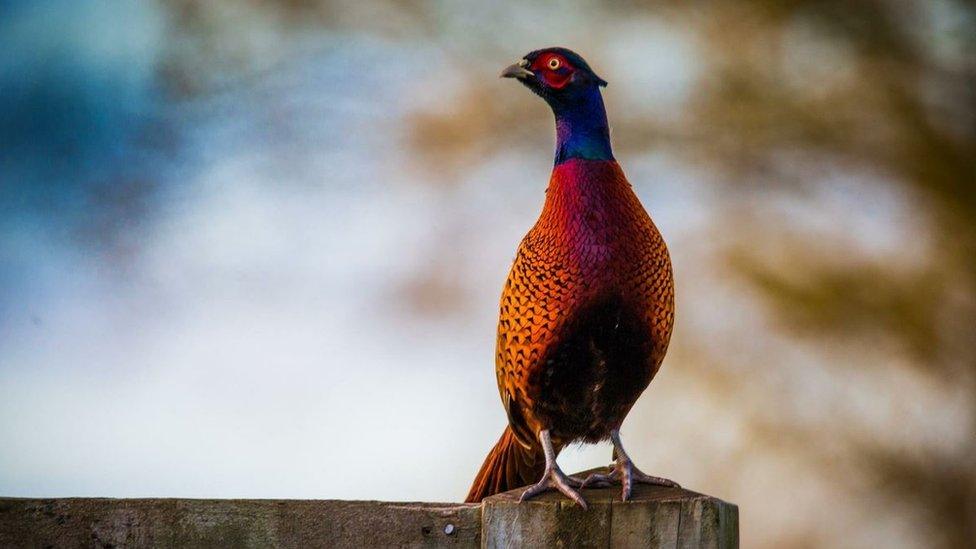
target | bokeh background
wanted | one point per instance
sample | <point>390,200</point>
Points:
<point>254,248</point>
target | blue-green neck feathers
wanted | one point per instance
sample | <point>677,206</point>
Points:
<point>582,130</point>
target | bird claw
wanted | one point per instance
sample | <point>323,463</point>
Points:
<point>624,471</point>
<point>554,479</point>
<point>657,481</point>
<point>599,480</point>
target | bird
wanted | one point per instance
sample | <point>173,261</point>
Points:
<point>587,310</point>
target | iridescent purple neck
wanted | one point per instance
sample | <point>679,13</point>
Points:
<point>582,130</point>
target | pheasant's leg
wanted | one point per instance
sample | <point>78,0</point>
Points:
<point>623,469</point>
<point>553,477</point>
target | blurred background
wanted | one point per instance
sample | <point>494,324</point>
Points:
<point>254,248</point>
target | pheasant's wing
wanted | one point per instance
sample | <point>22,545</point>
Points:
<point>538,298</point>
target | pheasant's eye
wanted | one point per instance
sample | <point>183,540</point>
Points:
<point>554,63</point>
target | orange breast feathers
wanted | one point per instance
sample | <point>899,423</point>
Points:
<point>593,239</point>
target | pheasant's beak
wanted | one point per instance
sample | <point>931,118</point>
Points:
<point>517,70</point>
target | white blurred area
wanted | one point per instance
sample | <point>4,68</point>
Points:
<point>256,342</point>
<point>278,296</point>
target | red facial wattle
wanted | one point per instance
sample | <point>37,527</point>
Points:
<point>554,70</point>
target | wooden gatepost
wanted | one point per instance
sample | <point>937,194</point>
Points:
<point>656,517</point>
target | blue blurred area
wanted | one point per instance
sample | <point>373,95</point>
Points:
<point>77,85</point>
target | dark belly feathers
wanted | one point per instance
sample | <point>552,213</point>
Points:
<point>592,377</point>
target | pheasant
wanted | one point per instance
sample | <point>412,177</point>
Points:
<point>587,310</point>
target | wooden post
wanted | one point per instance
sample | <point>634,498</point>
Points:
<point>657,517</point>
<point>214,523</point>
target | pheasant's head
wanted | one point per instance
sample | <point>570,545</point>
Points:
<point>558,75</point>
<point>572,89</point>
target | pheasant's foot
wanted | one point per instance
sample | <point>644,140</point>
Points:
<point>600,480</point>
<point>555,479</point>
<point>624,471</point>
<point>638,476</point>
<point>573,481</point>
<point>629,474</point>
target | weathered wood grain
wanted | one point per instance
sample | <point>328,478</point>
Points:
<point>118,523</point>
<point>656,517</point>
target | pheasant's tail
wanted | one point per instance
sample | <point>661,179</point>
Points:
<point>509,465</point>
